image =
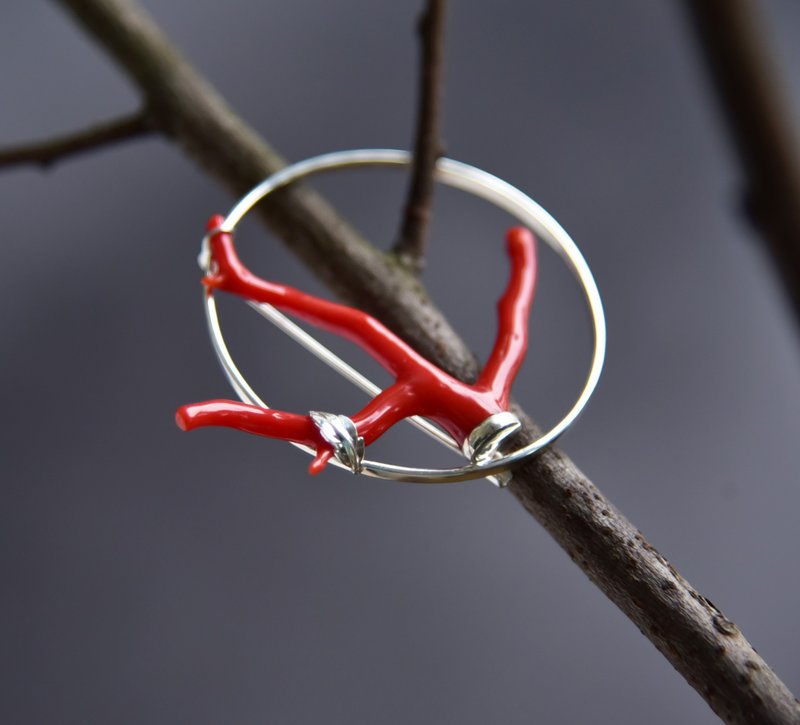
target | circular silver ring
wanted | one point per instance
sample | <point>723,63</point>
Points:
<point>478,183</point>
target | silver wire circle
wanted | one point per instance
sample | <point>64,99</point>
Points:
<point>478,183</point>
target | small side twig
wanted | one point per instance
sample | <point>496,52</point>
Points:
<point>733,42</point>
<point>413,237</point>
<point>48,152</point>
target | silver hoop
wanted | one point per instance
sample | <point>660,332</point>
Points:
<point>473,181</point>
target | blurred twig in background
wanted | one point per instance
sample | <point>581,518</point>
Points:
<point>733,42</point>
<point>691,632</point>
<point>48,152</point>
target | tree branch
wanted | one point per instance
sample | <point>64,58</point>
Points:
<point>45,153</point>
<point>733,43</point>
<point>413,237</point>
<point>702,644</point>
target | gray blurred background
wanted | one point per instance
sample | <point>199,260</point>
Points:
<point>152,576</point>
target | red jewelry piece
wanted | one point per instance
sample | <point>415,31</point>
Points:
<point>420,388</point>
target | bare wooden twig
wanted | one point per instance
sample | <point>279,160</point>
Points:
<point>412,239</point>
<point>47,152</point>
<point>700,642</point>
<point>733,41</point>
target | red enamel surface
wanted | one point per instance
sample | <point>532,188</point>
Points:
<point>421,388</point>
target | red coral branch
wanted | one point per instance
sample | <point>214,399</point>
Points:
<point>512,315</point>
<point>421,388</point>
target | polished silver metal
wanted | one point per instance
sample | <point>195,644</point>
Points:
<point>341,434</point>
<point>471,180</point>
<point>484,442</point>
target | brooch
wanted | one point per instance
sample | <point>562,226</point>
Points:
<point>470,418</point>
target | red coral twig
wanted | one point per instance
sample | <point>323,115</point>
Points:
<point>420,388</point>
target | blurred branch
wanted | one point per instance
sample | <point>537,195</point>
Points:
<point>735,47</point>
<point>45,153</point>
<point>700,642</point>
<point>413,237</point>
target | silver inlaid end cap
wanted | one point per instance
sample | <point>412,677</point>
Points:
<point>341,433</point>
<point>483,444</point>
